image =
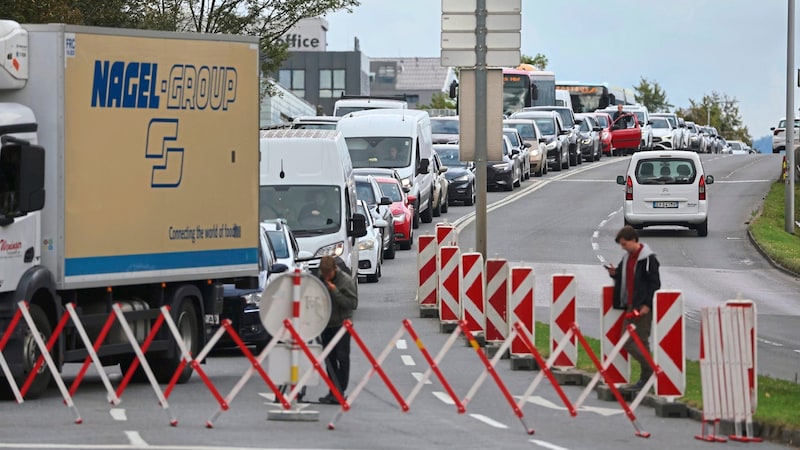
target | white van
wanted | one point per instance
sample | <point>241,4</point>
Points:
<point>666,188</point>
<point>348,105</point>
<point>563,98</point>
<point>397,139</point>
<point>307,180</point>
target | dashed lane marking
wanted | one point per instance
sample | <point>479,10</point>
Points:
<point>546,445</point>
<point>401,344</point>
<point>418,376</point>
<point>444,398</point>
<point>135,439</point>
<point>489,421</point>
<point>408,360</point>
<point>118,414</point>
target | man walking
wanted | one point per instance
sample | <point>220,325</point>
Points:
<point>636,279</point>
<point>344,300</point>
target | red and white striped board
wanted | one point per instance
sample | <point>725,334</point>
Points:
<point>669,336</point>
<point>563,313</point>
<point>473,292</point>
<point>446,234</point>
<point>426,266</point>
<point>752,362</point>
<point>449,287</point>
<point>520,307</point>
<point>611,323</point>
<point>497,274</point>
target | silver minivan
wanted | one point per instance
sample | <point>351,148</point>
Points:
<point>666,188</point>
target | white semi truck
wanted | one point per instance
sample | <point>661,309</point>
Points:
<point>128,174</point>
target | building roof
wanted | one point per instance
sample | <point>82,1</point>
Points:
<point>418,74</point>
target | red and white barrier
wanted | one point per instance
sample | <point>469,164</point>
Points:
<point>473,292</point>
<point>446,234</point>
<point>563,313</point>
<point>426,268</point>
<point>497,274</point>
<point>449,287</point>
<point>750,325</point>
<point>521,307</point>
<point>670,343</point>
<point>611,321</point>
<point>728,335</point>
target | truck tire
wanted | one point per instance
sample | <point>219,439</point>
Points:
<point>187,323</point>
<point>30,353</point>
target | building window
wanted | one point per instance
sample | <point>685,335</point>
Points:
<point>331,83</point>
<point>412,99</point>
<point>294,80</point>
<point>386,74</point>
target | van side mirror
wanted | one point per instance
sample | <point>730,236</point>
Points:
<point>278,268</point>
<point>527,145</point>
<point>380,223</point>
<point>26,163</point>
<point>406,189</point>
<point>453,89</point>
<point>709,179</point>
<point>543,140</point>
<point>442,169</point>
<point>424,166</point>
<point>385,201</point>
<point>358,226</point>
<point>621,180</point>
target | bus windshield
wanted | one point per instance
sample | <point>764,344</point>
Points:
<point>516,92</point>
<point>586,98</point>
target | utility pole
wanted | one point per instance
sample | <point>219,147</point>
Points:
<point>790,162</point>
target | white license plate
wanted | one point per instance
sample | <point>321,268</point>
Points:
<point>665,204</point>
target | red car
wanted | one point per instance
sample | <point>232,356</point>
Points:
<point>604,119</point>
<point>626,135</point>
<point>402,211</point>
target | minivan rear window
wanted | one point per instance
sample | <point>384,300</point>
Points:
<point>665,171</point>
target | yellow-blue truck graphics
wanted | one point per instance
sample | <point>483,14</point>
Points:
<point>160,157</point>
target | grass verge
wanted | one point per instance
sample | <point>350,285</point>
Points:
<point>768,229</point>
<point>778,400</point>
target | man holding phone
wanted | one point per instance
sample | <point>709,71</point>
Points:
<point>636,279</point>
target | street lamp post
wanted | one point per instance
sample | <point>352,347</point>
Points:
<point>790,130</point>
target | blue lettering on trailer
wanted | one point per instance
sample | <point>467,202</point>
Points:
<point>135,84</point>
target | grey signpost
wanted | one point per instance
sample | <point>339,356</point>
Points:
<point>477,34</point>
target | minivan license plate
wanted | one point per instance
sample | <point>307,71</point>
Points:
<point>665,204</point>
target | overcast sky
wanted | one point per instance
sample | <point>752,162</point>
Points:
<point>690,47</point>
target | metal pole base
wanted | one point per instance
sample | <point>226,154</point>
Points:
<point>428,313</point>
<point>293,415</point>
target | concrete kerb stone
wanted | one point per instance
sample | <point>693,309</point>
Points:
<point>769,259</point>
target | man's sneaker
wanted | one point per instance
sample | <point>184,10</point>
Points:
<point>638,386</point>
<point>329,399</point>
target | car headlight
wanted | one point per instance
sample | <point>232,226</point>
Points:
<point>666,138</point>
<point>694,138</point>
<point>500,166</point>
<point>587,141</point>
<point>551,146</point>
<point>536,152</point>
<point>330,250</point>
<point>605,134</point>
<point>406,182</point>
<point>253,299</point>
<point>464,177</point>
<point>366,245</point>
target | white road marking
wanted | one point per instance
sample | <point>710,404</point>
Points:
<point>268,395</point>
<point>591,181</point>
<point>135,439</point>
<point>733,238</point>
<point>401,344</point>
<point>596,233</point>
<point>546,445</point>
<point>489,421</point>
<point>603,223</point>
<point>408,360</point>
<point>444,397</point>
<point>742,181</point>
<point>774,344</point>
<point>118,414</point>
<point>418,376</point>
<point>541,401</point>
<point>797,351</point>
<point>595,246</point>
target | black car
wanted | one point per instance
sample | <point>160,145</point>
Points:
<point>506,173</point>
<point>571,124</point>
<point>460,174</point>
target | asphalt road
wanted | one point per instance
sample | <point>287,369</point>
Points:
<point>561,222</point>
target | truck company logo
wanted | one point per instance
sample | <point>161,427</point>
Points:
<point>119,84</point>
<point>9,247</point>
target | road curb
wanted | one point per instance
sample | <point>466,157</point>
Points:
<point>769,259</point>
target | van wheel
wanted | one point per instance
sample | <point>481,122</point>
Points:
<point>427,215</point>
<point>415,216</point>
<point>437,211</point>
<point>445,203</point>
<point>702,229</point>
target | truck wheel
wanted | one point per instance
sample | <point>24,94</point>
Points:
<point>186,321</point>
<point>30,353</point>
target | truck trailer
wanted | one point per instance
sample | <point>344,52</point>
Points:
<point>128,175</point>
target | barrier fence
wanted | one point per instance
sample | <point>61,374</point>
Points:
<point>481,300</point>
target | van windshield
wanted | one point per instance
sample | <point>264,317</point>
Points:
<point>387,152</point>
<point>308,210</point>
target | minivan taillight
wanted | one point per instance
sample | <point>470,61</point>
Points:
<point>629,189</point>
<point>701,190</point>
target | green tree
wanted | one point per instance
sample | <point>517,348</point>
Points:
<point>651,95</point>
<point>723,112</point>
<point>539,61</point>
<point>439,100</point>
